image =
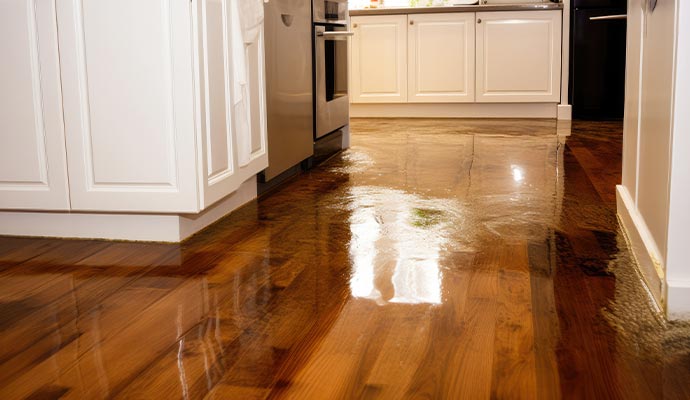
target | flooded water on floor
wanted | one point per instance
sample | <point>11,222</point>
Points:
<point>443,259</point>
<point>478,191</point>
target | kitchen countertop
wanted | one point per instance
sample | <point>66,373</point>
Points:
<point>461,8</point>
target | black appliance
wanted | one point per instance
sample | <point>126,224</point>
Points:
<point>597,58</point>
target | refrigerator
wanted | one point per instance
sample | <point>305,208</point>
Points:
<point>597,59</point>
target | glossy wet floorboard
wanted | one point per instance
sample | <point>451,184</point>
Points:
<point>445,259</point>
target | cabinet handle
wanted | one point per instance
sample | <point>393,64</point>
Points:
<point>354,25</point>
<point>608,17</point>
<point>479,21</point>
<point>335,35</point>
<point>411,22</point>
<point>652,5</point>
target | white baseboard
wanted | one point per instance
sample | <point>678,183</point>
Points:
<point>454,110</point>
<point>193,223</point>
<point>643,246</point>
<point>144,227</point>
<point>134,227</point>
<point>565,112</point>
<point>678,303</point>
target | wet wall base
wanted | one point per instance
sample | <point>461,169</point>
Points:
<point>678,300</point>
<point>643,246</point>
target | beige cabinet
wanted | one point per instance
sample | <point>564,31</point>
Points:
<point>441,58</point>
<point>518,56</point>
<point>379,59</point>
<point>33,169</point>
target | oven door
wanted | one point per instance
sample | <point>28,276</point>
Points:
<point>330,63</point>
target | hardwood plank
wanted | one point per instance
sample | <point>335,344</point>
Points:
<point>545,320</point>
<point>472,355</point>
<point>210,349</point>
<point>514,368</point>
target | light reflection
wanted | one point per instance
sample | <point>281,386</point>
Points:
<point>518,173</point>
<point>395,248</point>
<point>365,233</point>
<point>417,281</point>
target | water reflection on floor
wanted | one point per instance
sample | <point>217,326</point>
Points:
<point>396,243</point>
<point>435,259</point>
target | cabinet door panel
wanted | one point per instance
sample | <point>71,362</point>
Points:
<point>222,174</point>
<point>33,173</point>
<point>519,56</point>
<point>128,99</point>
<point>219,175</point>
<point>258,157</point>
<point>441,57</point>
<point>379,59</point>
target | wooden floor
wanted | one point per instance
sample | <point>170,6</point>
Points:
<point>454,259</point>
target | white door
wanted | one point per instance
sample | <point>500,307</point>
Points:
<point>441,58</point>
<point>519,56</point>
<point>379,59</point>
<point>33,170</point>
<point>128,102</point>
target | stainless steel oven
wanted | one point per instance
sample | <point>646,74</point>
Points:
<point>330,63</point>
<point>331,102</point>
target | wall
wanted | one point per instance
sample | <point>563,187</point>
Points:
<point>652,199</point>
<point>677,265</point>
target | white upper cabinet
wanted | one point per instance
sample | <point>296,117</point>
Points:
<point>519,56</point>
<point>379,59</point>
<point>441,58</point>
<point>33,171</point>
<point>129,105</point>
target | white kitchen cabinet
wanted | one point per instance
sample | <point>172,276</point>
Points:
<point>33,169</point>
<point>441,58</point>
<point>458,57</point>
<point>518,56</point>
<point>138,111</point>
<point>379,59</point>
<point>135,123</point>
<point>148,107</point>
